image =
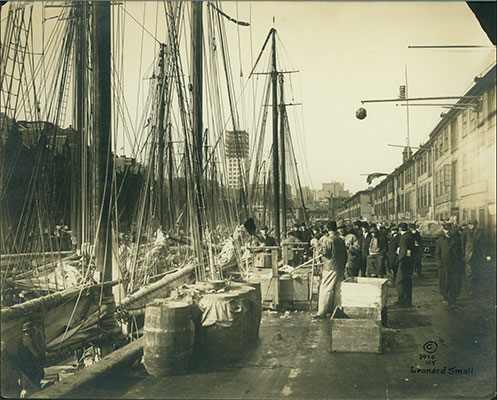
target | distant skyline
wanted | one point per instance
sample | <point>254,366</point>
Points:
<point>345,52</point>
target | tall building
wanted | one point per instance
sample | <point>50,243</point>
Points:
<point>332,189</point>
<point>237,153</point>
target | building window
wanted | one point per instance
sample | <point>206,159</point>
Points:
<point>453,134</point>
<point>472,120</point>
<point>446,139</point>
<point>436,183</point>
<point>464,123</point>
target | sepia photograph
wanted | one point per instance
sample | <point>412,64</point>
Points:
<point>248,199</point>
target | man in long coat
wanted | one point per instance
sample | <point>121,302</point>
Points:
<point>475,252</point>
<point>403,282</point>
<point>450,262</point>
<point>334,256</point>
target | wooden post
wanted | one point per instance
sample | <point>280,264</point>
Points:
<point>275,278</point>
<point>284,248</point>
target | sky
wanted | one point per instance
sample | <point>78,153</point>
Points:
<point>345,52</point>
<point>348,52</point>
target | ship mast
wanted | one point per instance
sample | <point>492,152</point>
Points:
<point>276,177</point>
<point>197,106</point>
<point>102,109</point>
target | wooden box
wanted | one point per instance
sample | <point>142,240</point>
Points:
<point>291,289</point>
<point>363,292</point>
<point>355,329</point>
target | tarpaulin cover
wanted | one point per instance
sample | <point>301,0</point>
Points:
<point>63,276</point>
<point>220,310</point>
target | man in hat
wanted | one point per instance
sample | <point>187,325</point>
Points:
<point>393,244</point>
<point>450,262</point>
<point>475,253</point>
<point>366,238</point>
<point>267,240</point>
<point>334,256</point>
<point>403,282</point>
<point>418,249</point>
<point>353,250</point>
<point>376,252</point>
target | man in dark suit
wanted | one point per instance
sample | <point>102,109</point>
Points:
<point>403,281</point>
<point>393,244</point>
<point>476,254</point>
<point>418,250</point>
<point>365,241</point>
<point>450,262</point>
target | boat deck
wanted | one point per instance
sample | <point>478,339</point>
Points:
<point>293,360</point>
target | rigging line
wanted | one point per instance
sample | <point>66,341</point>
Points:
<point>262,51</point>
<point>236,21</point>
<point>240,61</point>
<point>140,24</point>
<point>140,68</point>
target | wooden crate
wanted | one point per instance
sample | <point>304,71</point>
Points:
<point>363,292</point>
<point>355,329</point>
<point>291,289</point>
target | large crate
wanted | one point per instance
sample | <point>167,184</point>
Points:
<point>291,288</point>
<point>363,292</point>
<point>355,329</point>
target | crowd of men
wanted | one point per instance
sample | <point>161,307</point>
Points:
<point>393,251</point>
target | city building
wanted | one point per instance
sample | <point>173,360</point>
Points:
<point>452,175</point>
<point>357,207</point>
<point>237,156</point>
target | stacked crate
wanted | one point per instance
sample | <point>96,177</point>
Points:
<point>356,321</point>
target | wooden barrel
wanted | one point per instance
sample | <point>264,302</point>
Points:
<point>248,296</point>
<point>220,342</point>
<point>257,310</point>
<point>168,337</point>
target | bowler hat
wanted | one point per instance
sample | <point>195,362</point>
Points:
<point>474,222</point>
<point>403,226</point>
<point>332,225</point>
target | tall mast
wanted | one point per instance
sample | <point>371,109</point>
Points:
<point>101,55</point>
<point>197,104</point>
<point>161,133</point>
<point>283,159</point>
<point>79,144</point>
<point>276,178</point>
<point>170,174</point>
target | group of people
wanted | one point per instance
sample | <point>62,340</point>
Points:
<point>394,251</point>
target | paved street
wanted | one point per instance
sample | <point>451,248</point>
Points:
<point>292,358</point>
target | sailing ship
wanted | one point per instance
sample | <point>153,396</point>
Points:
<point>97,236</point>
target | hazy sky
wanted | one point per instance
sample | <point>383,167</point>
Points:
<point>346,52</point>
